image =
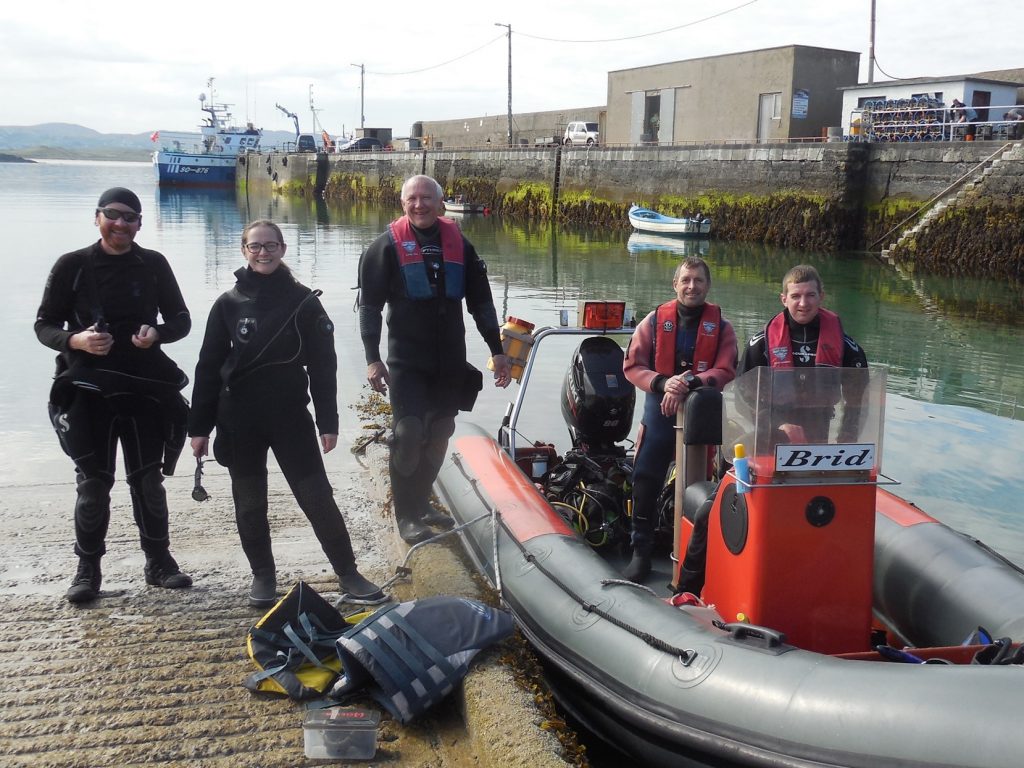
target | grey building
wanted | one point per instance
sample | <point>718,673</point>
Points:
<point>491,131</point>
<point>784,93</point>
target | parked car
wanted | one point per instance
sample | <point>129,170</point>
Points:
<point>305,143</point>
<point>362,144</point>
<point>580,132</point>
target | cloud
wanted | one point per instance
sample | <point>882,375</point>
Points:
<point>141,68</point>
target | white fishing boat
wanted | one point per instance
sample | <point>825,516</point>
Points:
<point>646,220</point>
<point>206,158</point>
<point>459,205</point>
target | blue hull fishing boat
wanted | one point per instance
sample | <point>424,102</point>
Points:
<point>838,624</point>
<point>206,158</point>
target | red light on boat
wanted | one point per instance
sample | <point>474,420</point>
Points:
<point>602,315</point>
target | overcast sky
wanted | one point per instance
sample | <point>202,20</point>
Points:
<point>129,67</point>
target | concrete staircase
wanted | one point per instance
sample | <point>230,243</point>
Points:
<point>958,192</point>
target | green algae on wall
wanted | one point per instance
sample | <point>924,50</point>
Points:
<point>789,219</point>
<point>586,208</point>
<point>296,188</point>
<point>983,239</point>
<point>477,190</point>
<point>884,220</point>
<point>528,200</point>
<point>345,186</point>
<point>354,187</point>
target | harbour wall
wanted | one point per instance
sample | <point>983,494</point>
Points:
<point>821,196</point>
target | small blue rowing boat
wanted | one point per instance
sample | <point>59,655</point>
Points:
<point>646,220</point>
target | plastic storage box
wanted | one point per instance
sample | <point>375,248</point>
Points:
<point>341,732</point>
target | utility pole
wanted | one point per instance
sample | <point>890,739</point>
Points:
<point>316,123</point>
<point>509,28</point>
<point>871,47</point>
<point>362,82</point>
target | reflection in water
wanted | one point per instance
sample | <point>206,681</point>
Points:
<point>644,242</point>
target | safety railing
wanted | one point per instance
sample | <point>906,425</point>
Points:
<point>926,119</point>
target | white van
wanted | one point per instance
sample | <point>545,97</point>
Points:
<point>580,132</point>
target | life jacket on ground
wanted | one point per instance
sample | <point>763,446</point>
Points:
<point>414,269</point>
<point>292,646</point>
<point>411,655</point>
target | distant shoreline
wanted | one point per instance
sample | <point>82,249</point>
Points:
<point>13,159</point>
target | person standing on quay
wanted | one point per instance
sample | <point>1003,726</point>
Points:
<point>268,345</point>
<point>684,337</point>
<point>422,268</point>
<point>114,384</point>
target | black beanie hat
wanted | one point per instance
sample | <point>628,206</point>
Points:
<point>120,195</point>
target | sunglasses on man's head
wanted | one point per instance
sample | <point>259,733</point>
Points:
<point>114,214</point>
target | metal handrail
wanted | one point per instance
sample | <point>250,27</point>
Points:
<point>935,198</point>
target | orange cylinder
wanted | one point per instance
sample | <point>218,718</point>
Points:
<point>517,341</point>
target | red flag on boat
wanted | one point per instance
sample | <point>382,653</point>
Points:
<point>155,135</point>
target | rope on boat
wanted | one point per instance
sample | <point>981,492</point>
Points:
<point>685,655</point>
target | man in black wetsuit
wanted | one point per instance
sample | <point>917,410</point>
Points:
<point>422,268</point>
<point>114,384</point>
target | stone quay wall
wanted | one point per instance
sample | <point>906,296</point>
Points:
<point>827,196</point>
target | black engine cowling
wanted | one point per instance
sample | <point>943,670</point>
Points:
<point>597,399</point>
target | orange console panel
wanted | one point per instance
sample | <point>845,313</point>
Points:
<point>795,558</point>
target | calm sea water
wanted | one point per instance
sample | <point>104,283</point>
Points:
<point>956,376</point>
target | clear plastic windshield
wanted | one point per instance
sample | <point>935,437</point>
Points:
<point>803,423</point>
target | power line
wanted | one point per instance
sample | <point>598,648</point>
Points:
<point>557,40</point>
<point>879,68</point>
<point>645,34</point>
<point>443,63</point>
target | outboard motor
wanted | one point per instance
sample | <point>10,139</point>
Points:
<point>597,399</point>
<point>590,488</point>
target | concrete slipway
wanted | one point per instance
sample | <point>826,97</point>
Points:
<point>147,676</point>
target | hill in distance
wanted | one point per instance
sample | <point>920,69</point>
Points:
<point>67,141</point>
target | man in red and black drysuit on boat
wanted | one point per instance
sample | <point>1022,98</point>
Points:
<point>423,268</point>
<point>803,335</point>
<point>682,338</point>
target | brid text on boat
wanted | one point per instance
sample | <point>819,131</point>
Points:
<point>205,158</point>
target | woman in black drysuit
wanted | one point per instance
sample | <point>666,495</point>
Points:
<point>115,384</point>
<point>268,345</point>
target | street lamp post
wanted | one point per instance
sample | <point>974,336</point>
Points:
<point>509,28</point>
<point>362,91</point>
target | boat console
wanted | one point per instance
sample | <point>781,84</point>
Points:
<point>793,548</point>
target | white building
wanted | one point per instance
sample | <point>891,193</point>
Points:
<point>920,108</point>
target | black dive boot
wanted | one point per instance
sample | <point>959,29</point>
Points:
<point>162,571</point>
<point>407,515</point>
<point>435,518</point>
<point>639,567</point>
<point>86,585</point>
<point>422,485</point>
<point>357,589</point>
<point>263,592</point>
